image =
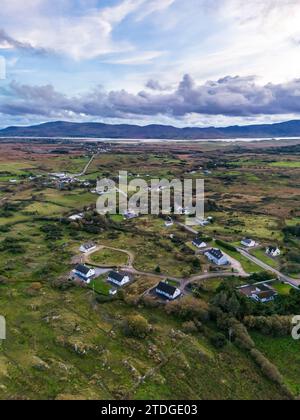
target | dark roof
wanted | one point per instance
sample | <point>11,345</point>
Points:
<point>198,241</point>
<point>116,276</point>
<point>82,269</point>
<point>266,295</point>
<point>272,248</point>
<point>217,253</point>
<point>247,240</point>
<point>166,288</point>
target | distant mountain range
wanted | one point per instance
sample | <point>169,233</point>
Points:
<point>123,131</point>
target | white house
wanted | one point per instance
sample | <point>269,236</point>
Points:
<point>261,293</point>
<point>217,257</point>
<point>88,247</point>
<point>168,291</point>
<point>199,243</point>
<point>118,278</point>
<point>84,272</point>
<point>248,243</point>
<point>274,251</point>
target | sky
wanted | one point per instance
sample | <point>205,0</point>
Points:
<point>183,63</point>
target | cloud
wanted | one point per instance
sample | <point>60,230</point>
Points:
<point>7,42</point>
<point>229,96</point>
<point>53,26</point>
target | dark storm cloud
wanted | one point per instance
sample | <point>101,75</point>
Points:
<point>229,96</point>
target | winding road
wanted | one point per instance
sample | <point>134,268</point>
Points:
<point>182,282</point>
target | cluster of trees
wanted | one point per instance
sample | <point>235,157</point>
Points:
<point>52,231</point>
<point>292,230</point>
<point>275,325</point>
<point>8,209</point>
<point>188,309</point>
<point>12,245</point>
<point>231,301</point>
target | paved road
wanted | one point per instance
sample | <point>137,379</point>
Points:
<point>244,253</point>
<point>235,265</point>
<point>182,282</point>
<point>281,276</point>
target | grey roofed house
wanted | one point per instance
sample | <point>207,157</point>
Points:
<point>80,268</point>
<point>167,290</point>
<point>87,247</point>
<point>199,242</point>
<point>248,242</point>
<point>117,278</point>
<point>217,256</point>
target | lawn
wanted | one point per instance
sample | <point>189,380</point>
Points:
<point>285,354</point>
<point>282,288</point>
<point>261,255</point>
<point>109,257</point>
<point>100,286</point>
<point>286,164</point>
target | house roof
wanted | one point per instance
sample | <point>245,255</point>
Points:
<point>263,291</point>
<point>116,276</point>
<point>89,245</point>
<point>272,248</point>
<point>198,241</point>
<point>217,253</point>
<point>82,269</point>
<point>247,240</point>
<point>166,288</point>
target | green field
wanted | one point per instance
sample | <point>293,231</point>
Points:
<point>109,257</point>
<point>285,354</point>
<point>68,341</point>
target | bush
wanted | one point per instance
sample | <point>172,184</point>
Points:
<point>277,326</point>
<point>188,309</point>
<point>218,341</point>
<point>189,327</point>
<point>136,326</point>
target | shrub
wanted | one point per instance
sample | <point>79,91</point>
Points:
<point>218,341</point>
<point>188,309</point>
<point>136,326</point>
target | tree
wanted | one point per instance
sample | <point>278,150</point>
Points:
<point>136,326</point>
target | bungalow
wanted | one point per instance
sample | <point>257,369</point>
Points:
<point>261,293</point>
<point>88,247</point>
<point>120,279</point>
<point>217,257</point>
<point>84,272</point>
<point>274,251</point>
<point>248,243</point>
<point>199,243</point>
<point>168,291</point>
